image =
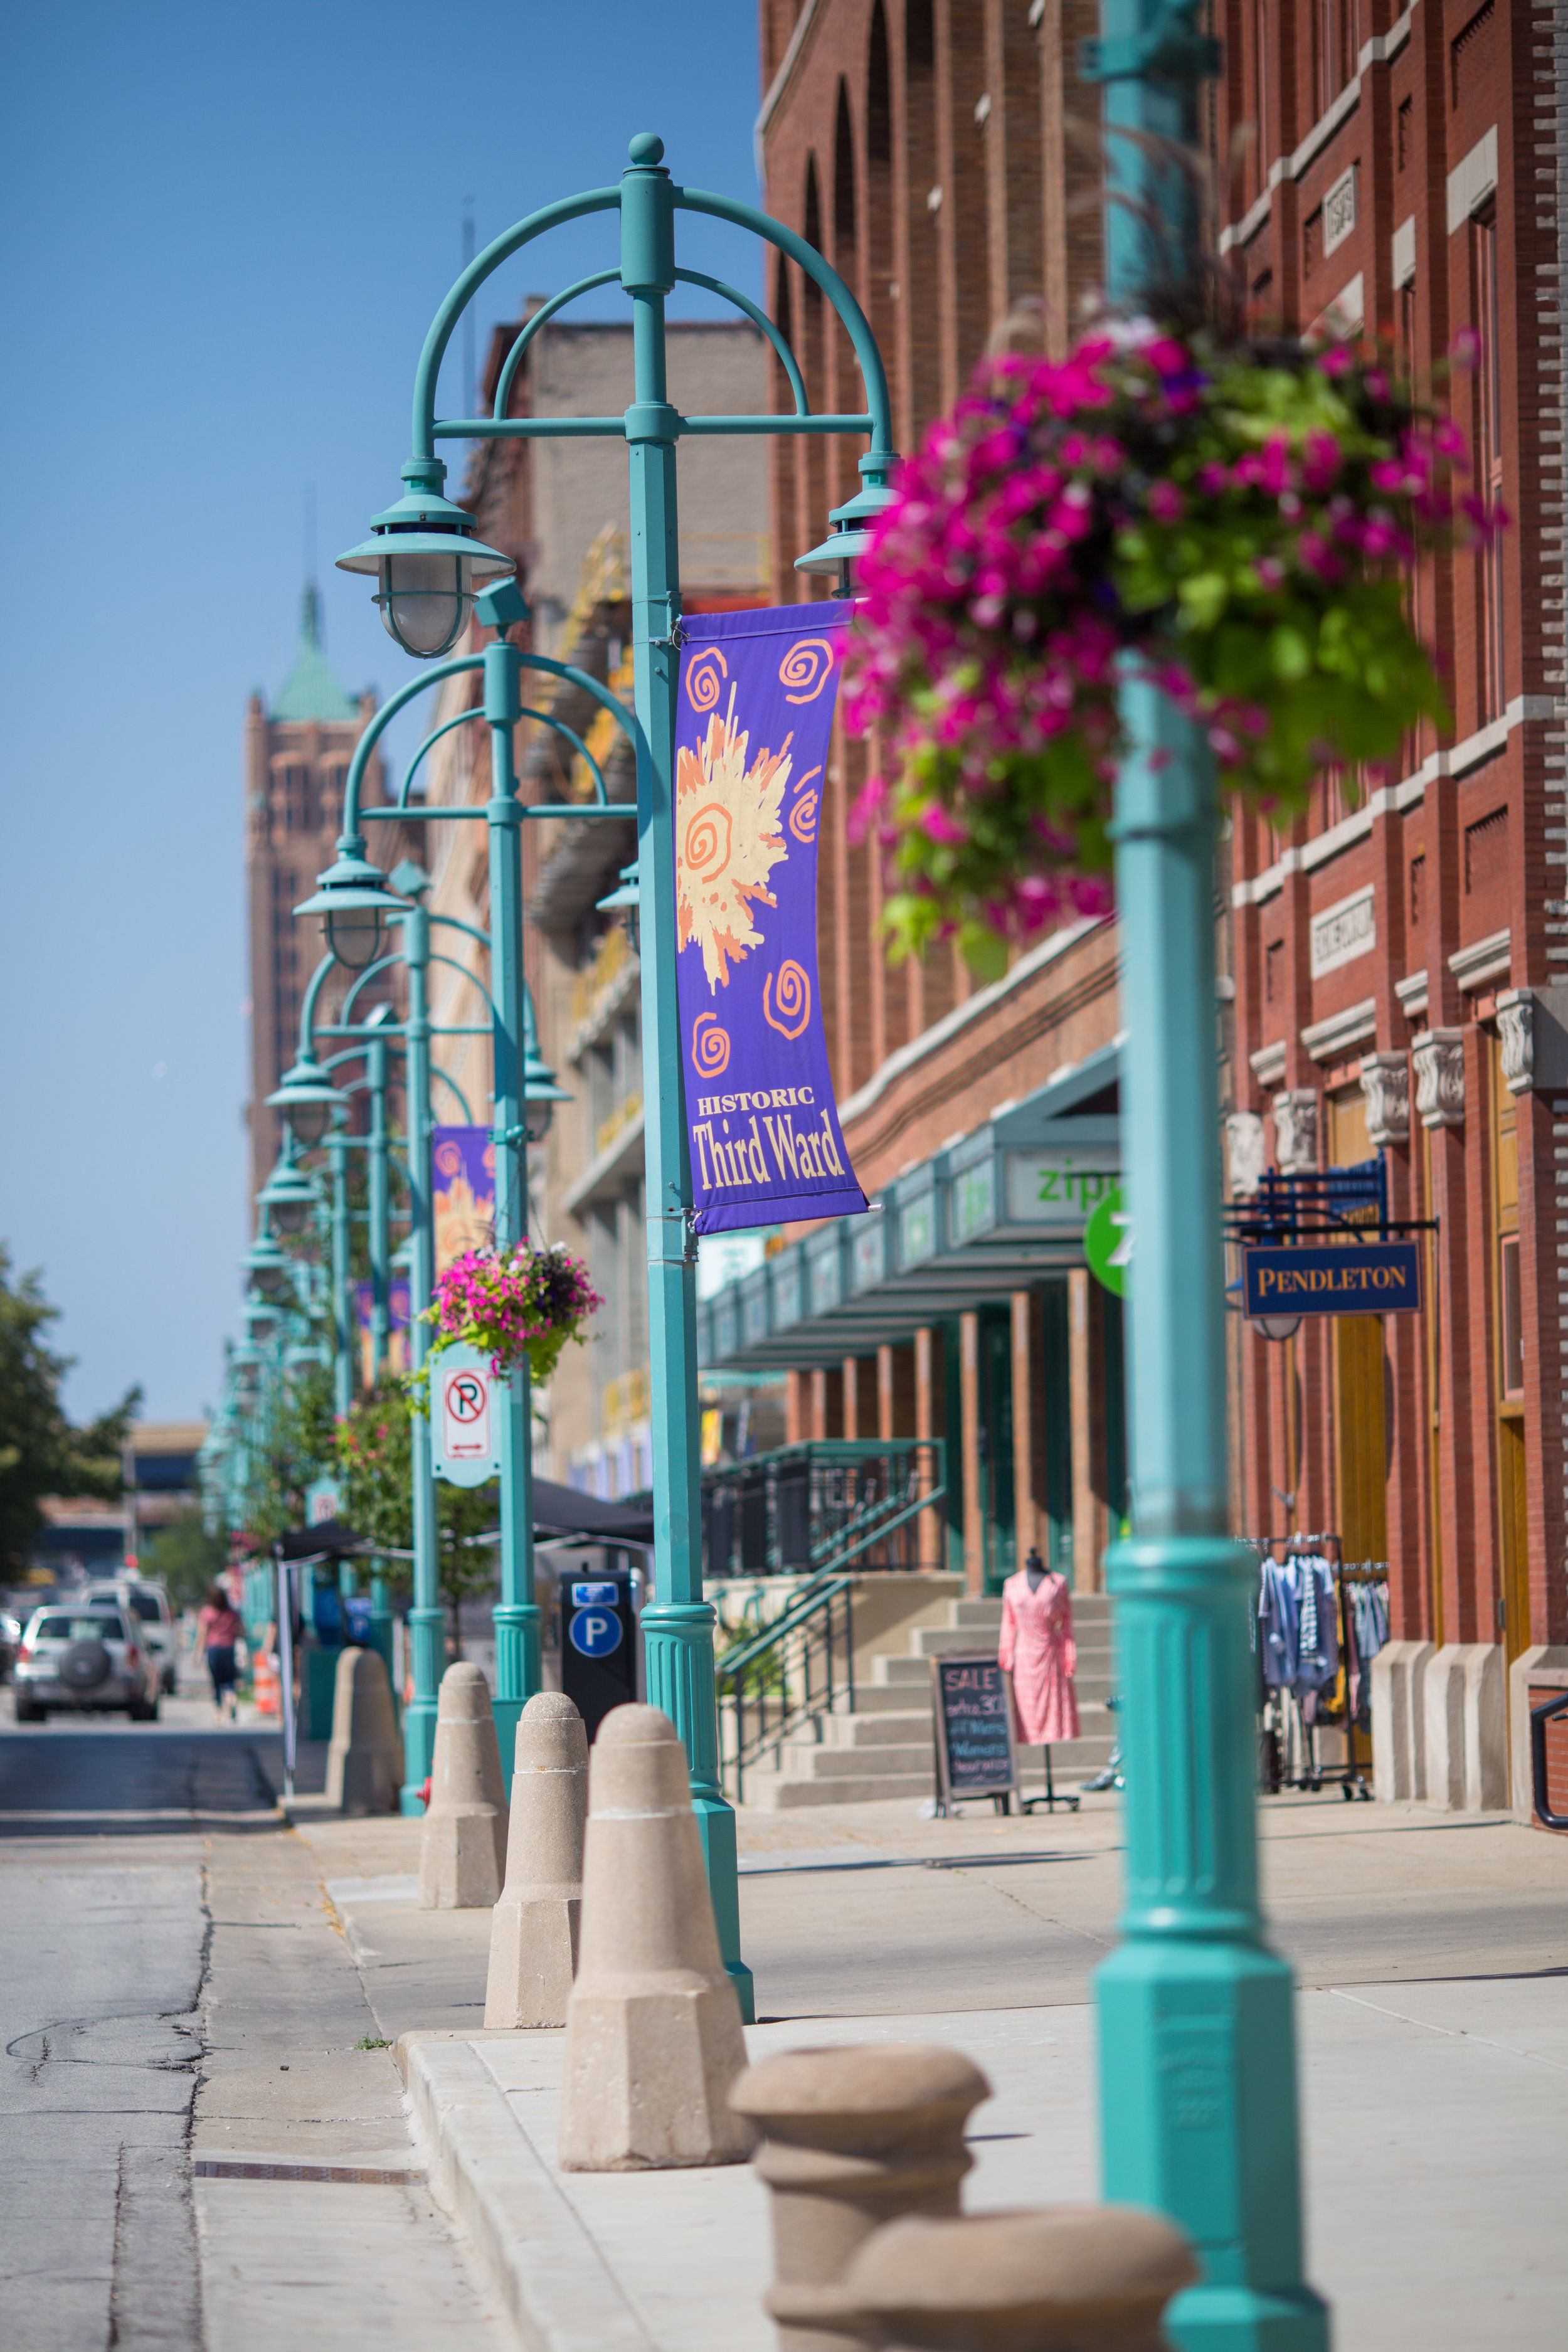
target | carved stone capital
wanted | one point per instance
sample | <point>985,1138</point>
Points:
<point>1244,1140</point>
<point>1438,1056</point>
<point>1516,1035</point>
<point>1296,1131</point>
<point>1386,1087</point>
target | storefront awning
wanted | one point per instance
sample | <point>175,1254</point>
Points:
<point>1004,1208</point>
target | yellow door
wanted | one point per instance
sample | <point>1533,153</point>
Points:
<point>1358,1420</point>
<point>1515,1535</point>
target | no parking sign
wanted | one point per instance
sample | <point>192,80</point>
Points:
<point>463,1418</point>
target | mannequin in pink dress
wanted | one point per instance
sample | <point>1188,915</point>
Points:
<point>1039,1650</point>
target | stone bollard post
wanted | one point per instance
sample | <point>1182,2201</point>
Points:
<point>653,2028</point>
<point>1088,2278</point>
<point>533,1933</point>
<point>851,2136</point>
<point>365,1762</point>
<point>462,1853</point>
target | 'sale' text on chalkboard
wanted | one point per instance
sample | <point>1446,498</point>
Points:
<point>973,1726</point>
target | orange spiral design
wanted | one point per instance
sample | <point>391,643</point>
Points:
<point>803,817</point>
<point>787,1007</point>
<point>710,836</point>
<point>704,676</point>
<point>808,665</point>
<point>709,1046</point>
<point>448,1158</point>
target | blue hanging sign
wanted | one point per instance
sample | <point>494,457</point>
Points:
<point>1344,1278</point>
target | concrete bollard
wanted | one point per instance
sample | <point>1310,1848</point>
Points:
<point>851,2136</point>
<point>364,1762</point>
<point>1088,2278</point>
<point>653,2028</point>
<point>533,1933</point>
<point>462,1854</point>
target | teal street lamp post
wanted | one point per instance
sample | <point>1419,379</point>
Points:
<point>1196,2036</point>
<point>424,529</point>
<point>521,1084</point>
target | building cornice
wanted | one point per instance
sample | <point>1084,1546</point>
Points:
<point>1378,52</point>
<point>1524,710</point>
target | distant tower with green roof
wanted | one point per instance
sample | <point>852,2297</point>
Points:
<point>296,761</point>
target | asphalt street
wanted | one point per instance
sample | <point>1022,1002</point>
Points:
<point>182,2030</point>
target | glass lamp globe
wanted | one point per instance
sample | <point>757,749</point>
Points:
<point>307,1122</point>
<point>425,600</point>
<point>353,935</point>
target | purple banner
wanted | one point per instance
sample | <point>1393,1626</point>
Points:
<point>756,703</point>
<point>463,1192</point>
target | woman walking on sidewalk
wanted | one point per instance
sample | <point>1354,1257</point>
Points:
<point>220,1627</point>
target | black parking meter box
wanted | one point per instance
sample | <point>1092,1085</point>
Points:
<point>599,1637</point>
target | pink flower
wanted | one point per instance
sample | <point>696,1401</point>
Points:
<point>941,827</point>
<point>1166,503</point>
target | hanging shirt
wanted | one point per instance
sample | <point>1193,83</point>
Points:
<point>1318,1651</point>
<point>1279,1624</point>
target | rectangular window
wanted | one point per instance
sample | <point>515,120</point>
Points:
<point>1486,317</point>
<point>1407,129</point>
<point>1418,878</point>
<point>1512,1317</point>
<point>1260,88</point>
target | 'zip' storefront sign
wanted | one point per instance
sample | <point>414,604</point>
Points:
<point>1352,1278</point>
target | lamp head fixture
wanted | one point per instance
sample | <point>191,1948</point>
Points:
<point>427,562</point>
<point>307,1099</point>
<point>852,523</point>
<point>288,1197</point>
<point>353,901</point>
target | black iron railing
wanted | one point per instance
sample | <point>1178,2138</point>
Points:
<point>808,1509</point>
<point>1540,1717</point>
<point>791,1674</point>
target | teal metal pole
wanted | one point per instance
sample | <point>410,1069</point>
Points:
<point>344,1379</point>
<point>379,1201</point>
<point>516,1616</point>
<point>1197,2053</point>
<point>677,1625</point>
<point>424,1620</point>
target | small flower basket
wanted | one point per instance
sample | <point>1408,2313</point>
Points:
<point>517,1305</point>
<point>1235,522</point>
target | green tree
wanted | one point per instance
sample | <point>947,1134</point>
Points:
<point>186,1557</point>
<point>291,1448</point>
<point>42,1451</point>
<point>375,1468</point>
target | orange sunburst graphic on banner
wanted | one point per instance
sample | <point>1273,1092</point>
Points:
<point>786,999</point>
<point>705,674</point>
<point>728,839</point>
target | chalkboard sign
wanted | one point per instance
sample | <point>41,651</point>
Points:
<point>973,1717</point>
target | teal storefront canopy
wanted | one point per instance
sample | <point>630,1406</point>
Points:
<point>1004,1208</point>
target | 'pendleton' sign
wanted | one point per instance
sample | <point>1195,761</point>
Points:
<point>1359,1278</point>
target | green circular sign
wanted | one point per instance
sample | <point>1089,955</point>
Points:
<point>1107,1242</point>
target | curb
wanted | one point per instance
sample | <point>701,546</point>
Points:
<point>487,2175</point>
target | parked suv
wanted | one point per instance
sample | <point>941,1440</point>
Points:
<point>149,1605</point>
<point>89,1660</point>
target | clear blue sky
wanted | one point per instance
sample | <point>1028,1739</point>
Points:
<point>226,231</point>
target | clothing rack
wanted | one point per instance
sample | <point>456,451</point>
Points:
<point>1350,1777</point>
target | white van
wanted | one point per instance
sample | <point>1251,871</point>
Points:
<point>149,1603</point>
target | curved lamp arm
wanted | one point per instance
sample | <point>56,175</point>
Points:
<point>307,1052</point>
<point>545,312</point>
<point>567,208</point>
<point>856,324</point>
<point>457,1090</point>
<point>475,710</point>
<point>352,841</point>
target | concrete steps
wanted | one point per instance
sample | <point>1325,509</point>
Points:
<point>882,1748</point>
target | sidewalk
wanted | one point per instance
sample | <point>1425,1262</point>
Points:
<point>1431,1949</point>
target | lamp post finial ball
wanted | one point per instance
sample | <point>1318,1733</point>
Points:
<point>648,147</point>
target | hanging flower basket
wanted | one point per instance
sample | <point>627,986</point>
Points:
<point>1237,523</point>
<point>518,1304</point>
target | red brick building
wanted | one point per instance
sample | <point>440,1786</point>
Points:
<point>1399,957</point>
<point>1396,965</point>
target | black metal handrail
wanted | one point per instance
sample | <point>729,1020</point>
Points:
<point>1540,1717</point>
<point>814,1507</point>
<point>792,1673</point>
